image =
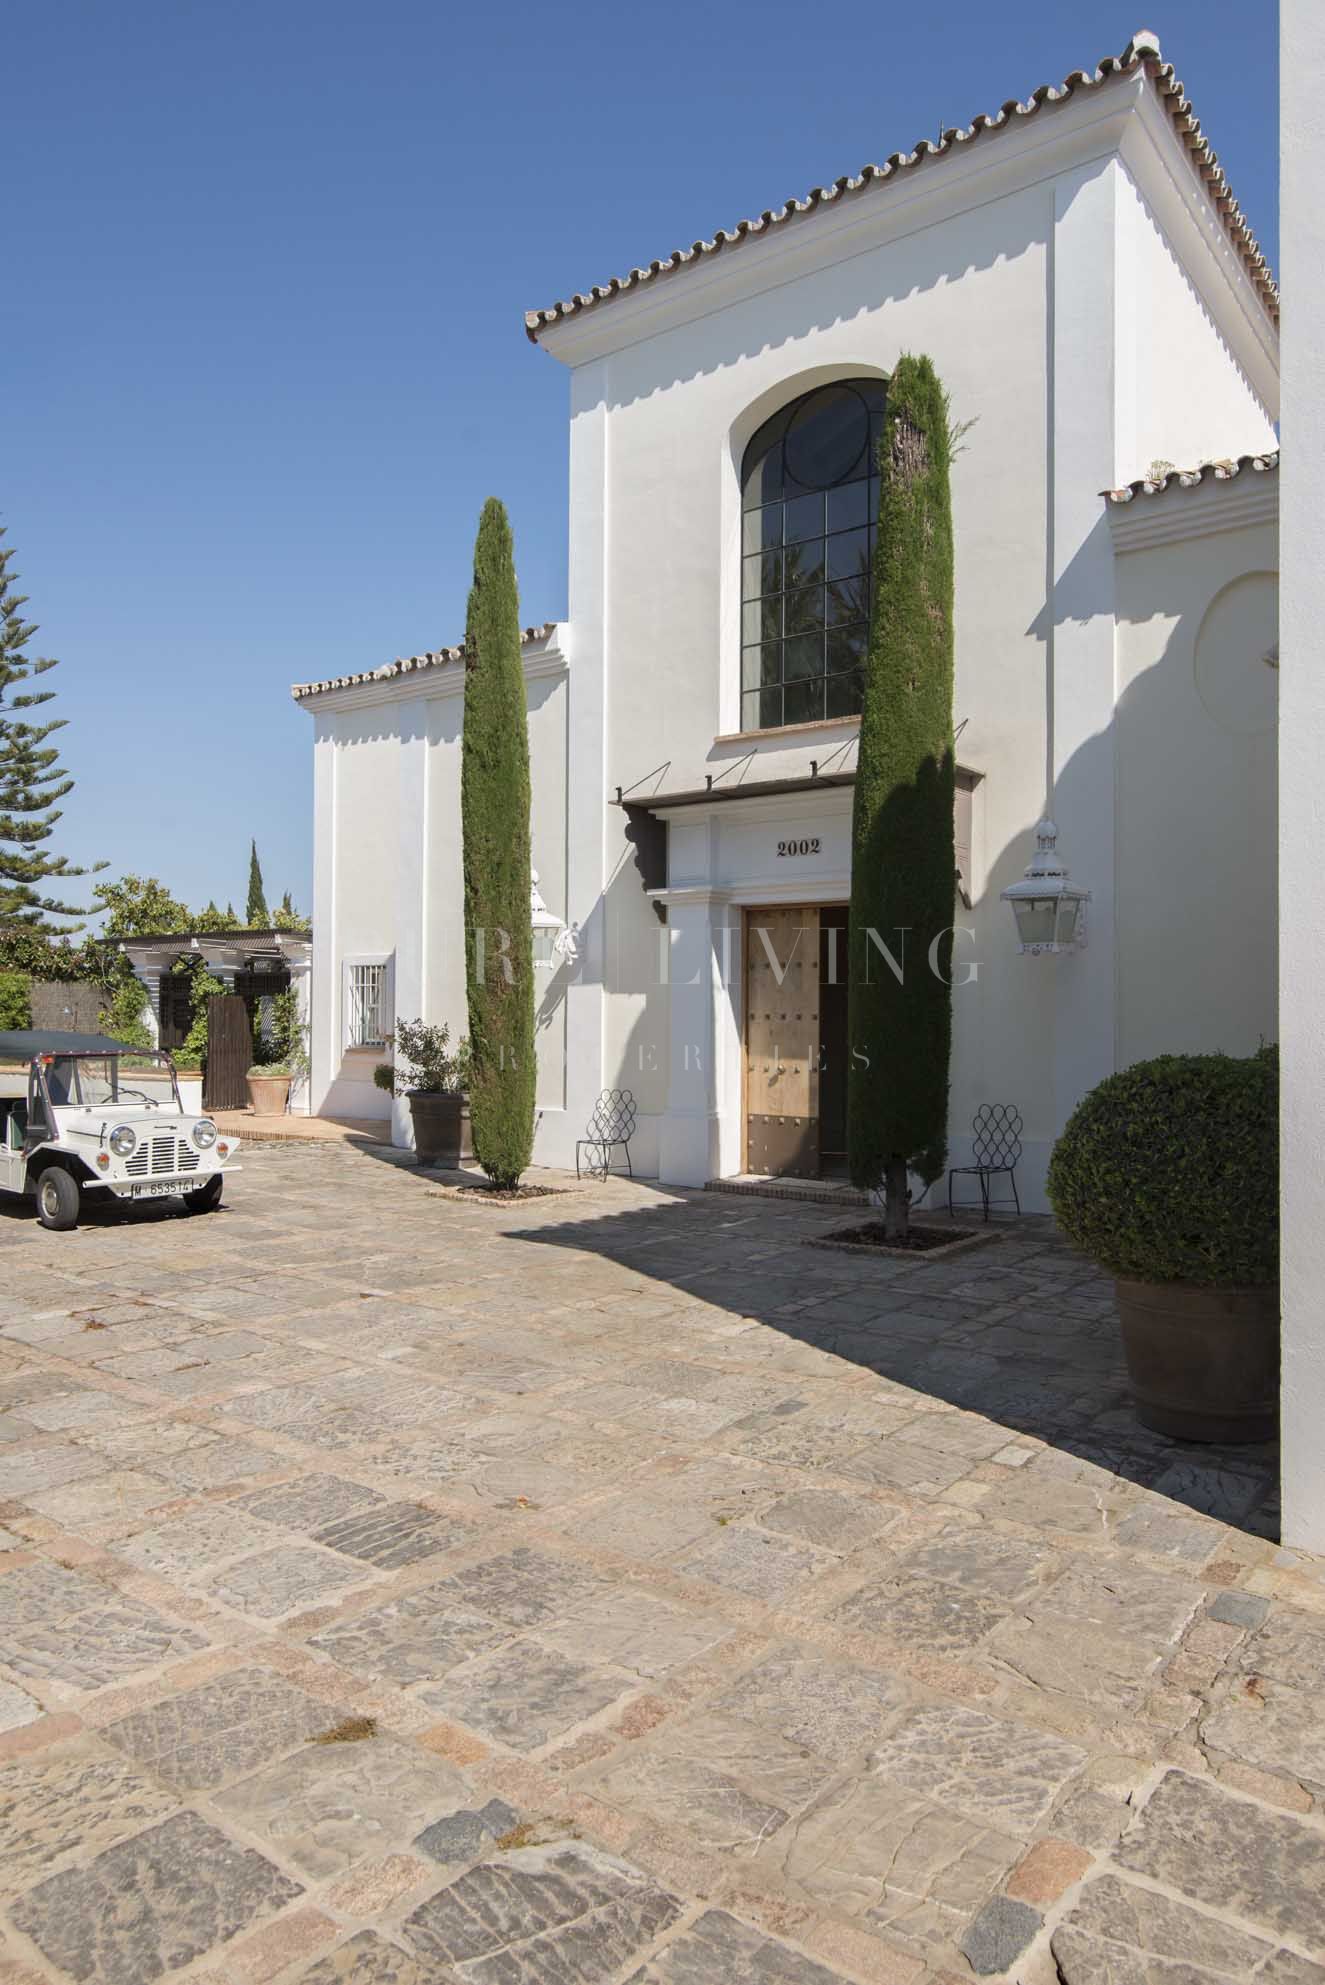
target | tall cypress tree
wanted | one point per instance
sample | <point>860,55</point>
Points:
<point>903,861</point>
<point>494,808</point>
<point>257,917</point>
<point>32,779</point>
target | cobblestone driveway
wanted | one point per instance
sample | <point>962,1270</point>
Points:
<point>610,1589</point>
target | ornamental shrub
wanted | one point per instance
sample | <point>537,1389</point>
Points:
<point>903,862</point>
<point>494,815</point>
<point>1169,1171</point>
<point>284,1049</point>
<point>425,1061</point>
<point>122,1018</point>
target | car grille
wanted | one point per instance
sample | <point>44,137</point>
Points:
<point>158,1156</point>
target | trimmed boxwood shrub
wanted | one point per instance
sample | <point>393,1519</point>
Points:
<point>1169,1171</point>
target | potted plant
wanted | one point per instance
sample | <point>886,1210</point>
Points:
<point>1167,1175</point>
<point>435,1078</point>
<point>269,1078</point>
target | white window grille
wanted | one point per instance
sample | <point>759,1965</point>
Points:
<point>366,992</point>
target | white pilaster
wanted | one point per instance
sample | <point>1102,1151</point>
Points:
<point>587,816</point>
<point>150,977</point>
<point>1301,737</point>
<point>324,1051</point>
<point>301,985</point>
<point>410,991</point>
<point>699,950</point>
<point>1084,297</point>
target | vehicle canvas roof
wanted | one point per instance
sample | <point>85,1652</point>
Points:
<point>23,1044</point>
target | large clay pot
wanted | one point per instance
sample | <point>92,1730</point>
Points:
<point>268,1094</point>
<point>441,1127</point>
<point>1204,1362</point>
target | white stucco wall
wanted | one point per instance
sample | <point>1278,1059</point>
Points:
<point>1302,810</point>
<point>358,802</point>
<point>1185,393</point>
<point>1196,814</point>
<point>388,880</point>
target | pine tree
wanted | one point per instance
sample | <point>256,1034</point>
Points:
<point>494,806</point>
<point>903,861</point>
<point>257,917</point>
<point>32,779</point>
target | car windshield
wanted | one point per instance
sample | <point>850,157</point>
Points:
<point>94,1082</point>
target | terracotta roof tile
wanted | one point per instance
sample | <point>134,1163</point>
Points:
<point>405,665</point>
<point>1141,52</point>
<point>1171,478</point>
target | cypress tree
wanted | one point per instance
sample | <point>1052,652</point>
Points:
<point>31,776</point>
<point>494,808</point>
<point>256,917</point>
<point>903,861</point>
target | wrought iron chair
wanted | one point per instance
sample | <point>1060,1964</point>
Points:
<point>996,1131</point>
<point>612,1123</point>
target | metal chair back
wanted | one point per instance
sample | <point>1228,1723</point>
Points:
<point>996,1134</point>
<point>613,1119</point>
<point>612,1122</point>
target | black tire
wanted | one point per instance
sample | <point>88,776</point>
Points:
<point>57,1199</point>
<point>206,1198</point>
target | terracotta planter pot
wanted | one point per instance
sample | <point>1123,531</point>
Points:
<point>441,1127</point>
<point>1204,1362</point>
<point>268,1094</point>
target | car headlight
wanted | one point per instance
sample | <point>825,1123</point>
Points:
<point>204,1133</point>
<point>122,1140</point>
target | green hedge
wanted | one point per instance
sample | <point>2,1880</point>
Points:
<point>1169,1171</point>
<point>15,1000</point>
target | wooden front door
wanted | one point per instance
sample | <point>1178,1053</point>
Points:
<point>782,1042</point>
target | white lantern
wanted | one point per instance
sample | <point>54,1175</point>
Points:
<point>1049,909</point>
<point>547,926</point>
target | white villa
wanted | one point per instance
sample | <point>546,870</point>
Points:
<point>1091,296</point>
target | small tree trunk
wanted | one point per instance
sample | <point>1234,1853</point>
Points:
<point>896,1200</point>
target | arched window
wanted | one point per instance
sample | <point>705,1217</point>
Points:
<point>809,497</point>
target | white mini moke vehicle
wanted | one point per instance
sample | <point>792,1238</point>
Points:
<point>91,1118</point>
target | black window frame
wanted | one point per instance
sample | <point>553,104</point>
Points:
<point>803,645</point>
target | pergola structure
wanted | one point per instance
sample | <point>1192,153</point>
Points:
<point>255,964</point>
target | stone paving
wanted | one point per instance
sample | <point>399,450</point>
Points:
<point>610,1590</point>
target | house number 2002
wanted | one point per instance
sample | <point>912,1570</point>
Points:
<point>807,847</point>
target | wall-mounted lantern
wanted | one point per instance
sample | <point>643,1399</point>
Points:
<point>1050,910</point>
<point>547,925</point>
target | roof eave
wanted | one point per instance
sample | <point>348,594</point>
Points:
<point>389,675</point>
<point>1142,56</point>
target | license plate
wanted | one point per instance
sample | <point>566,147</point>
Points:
<point>163,1191</point>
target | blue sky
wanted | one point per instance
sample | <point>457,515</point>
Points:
<point>266,269</point>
